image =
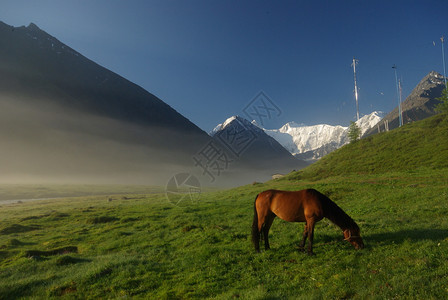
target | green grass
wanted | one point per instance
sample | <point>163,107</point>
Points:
<point>42,191</point>
<point>149,248</point>
<point>145,247</point>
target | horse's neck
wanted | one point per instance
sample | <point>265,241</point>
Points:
<point>336,215</point>
<point>338,222</point>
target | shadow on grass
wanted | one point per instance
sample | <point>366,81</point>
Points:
<point>13,243</point>
<point>58,251</point>
<point>373,240</point>
<point>18,290</point>
<point>69,260</point>
<point>400,236</point>
<point>17,228</point>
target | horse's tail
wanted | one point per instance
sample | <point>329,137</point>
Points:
<point>255,232</point>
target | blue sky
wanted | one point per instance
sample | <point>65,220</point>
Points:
<point>209,59</point>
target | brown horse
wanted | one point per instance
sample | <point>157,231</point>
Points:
<point>309,206</point>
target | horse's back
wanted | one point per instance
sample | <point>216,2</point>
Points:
<point>292,206</point>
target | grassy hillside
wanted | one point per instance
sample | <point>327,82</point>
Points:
<point>422,144</point>
<point>145,247</point>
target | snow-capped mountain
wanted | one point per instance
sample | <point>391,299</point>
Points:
<point>236,121</point>
<point>369,121</point>
<point>313,142</point>
<point>298,138</point>
<point>252,148</point>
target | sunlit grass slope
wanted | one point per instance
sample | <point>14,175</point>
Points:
<point>422,144</point>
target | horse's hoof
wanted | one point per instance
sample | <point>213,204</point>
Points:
<point>311,253</point>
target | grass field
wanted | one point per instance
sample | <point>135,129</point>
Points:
<point>144,247</point>
<point>43,191</point>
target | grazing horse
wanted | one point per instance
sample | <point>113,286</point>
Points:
<point>309,206</point>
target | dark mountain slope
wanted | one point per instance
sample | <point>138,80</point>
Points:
<point>35,63</point>
<point>64,117</point>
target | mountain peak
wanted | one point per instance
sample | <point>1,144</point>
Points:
<point>236,121</point>
<point>230,120</point>
<point>435,74</point>
<point>432,78</point>
<point>33,27</point>
<point>368,121</point>
<point>290,125</point>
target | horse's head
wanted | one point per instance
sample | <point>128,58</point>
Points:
<point>353,236</point>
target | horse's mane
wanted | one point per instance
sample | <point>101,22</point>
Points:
<point>335,214</point>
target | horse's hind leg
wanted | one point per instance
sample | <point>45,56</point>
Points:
<point>304,236</point>
<point>267,225</point>
<point>310,224</point>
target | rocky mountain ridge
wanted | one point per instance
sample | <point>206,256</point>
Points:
<point>417,106</point>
